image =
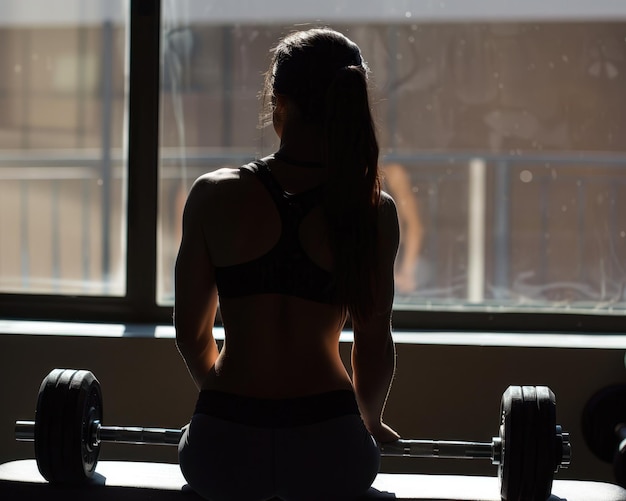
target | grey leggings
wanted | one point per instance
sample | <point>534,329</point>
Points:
<point>295,460</point>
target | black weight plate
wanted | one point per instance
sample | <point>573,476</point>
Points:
<point>63,422</point>
<point>51,413</point>
<point>546,456</point>
<point>85,399</point>
<point>46,452</point>
<point>602,413</point>
<point>530,445</point>
<point>512,436</point>
<point>69,400</point>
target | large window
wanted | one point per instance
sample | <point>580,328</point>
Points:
<point>502,140</point>
<point>501,131</point>
<point>62,161</point>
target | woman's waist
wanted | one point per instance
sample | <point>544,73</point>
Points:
<point>277,412</point>
<point>274,383</point>
<point>271,372</point>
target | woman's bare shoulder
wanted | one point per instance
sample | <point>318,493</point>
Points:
<point>387,207</point>
<point>210,189</point>
<point>217,177</point>
<point>388,220</point>
<point>216,183</point>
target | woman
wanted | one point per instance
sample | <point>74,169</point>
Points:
<point>292,245</point>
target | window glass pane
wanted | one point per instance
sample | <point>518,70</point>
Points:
<point>501,135</point>
<point>62,166</point>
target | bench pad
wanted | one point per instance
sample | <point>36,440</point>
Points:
<point>135,481</point>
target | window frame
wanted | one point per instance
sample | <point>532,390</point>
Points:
<point>139,304</point>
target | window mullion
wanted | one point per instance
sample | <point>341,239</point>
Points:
<point>143,134</point>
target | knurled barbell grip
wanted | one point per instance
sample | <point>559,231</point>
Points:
<point>438,449</point>
<point>25,431</point>
<point>137,435</point>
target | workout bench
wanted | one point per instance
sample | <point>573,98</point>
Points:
<point>135,481</point>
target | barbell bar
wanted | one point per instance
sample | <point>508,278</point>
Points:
<point>25,432</point>
<point>529,449</point>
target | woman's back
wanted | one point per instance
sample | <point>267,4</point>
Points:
<point>277,344</point>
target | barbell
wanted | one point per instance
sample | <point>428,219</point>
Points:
<point>68,433</point>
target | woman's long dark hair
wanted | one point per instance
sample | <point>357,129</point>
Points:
<point>323,72</point>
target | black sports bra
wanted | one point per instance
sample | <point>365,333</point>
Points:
<point>286,268</point>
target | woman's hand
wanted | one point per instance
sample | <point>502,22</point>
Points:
<point>383,433</point>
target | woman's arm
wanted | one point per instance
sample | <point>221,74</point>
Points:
<point>411,228</point>
<point>195,291</point>
<point>373,351</point>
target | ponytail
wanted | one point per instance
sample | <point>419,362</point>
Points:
<point>324,74</point>
<point>353,191</point>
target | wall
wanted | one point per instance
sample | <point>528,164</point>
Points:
<point>441,391</point>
